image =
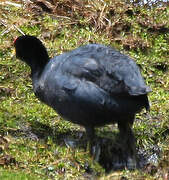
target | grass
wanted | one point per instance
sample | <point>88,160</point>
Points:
<point>32,142</point>
<point>5,175</point>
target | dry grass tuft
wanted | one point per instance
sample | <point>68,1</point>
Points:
<point>113,18</point>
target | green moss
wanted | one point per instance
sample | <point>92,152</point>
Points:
<point>35,131</point>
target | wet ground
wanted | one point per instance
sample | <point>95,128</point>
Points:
<point>108,151</point>
<point>111,156</point>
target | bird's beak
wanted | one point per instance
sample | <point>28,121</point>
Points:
<point>13,53</point>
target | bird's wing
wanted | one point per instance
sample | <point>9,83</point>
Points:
<point>107,68</point>
<point>83,68</point>
<point>126,76</point>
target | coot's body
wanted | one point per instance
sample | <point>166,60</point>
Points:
<point>92,85</point>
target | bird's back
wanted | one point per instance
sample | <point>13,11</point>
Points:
<point>109,69</point>
<point>93,84</point>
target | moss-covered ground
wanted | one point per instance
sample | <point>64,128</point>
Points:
<point>33,138</point>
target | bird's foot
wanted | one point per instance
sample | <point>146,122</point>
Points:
<point>94,149</point>
<point>131,163</point>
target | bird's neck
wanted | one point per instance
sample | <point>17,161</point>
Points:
<point>37,68</point>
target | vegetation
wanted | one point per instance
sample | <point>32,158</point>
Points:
<point>35,142</point>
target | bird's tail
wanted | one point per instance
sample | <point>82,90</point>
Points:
<point>147,104</point>
<point>135,91</point>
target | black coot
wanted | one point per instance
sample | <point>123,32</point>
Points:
<point>92,85</point>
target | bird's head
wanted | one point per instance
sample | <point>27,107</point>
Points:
<point>30,50</point>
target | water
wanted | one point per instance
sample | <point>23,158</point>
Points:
<point>149,2</point>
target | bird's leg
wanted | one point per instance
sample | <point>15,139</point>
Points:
<point>92,145</point>
<point>90,138</point>
<point>127,137</point>
<point>128,144</point>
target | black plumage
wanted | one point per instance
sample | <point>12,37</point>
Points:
<point>92,85</point>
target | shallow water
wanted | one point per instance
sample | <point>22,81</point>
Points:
<point>110,155</point>
<point>149,2</point>
<point>108,152</point>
